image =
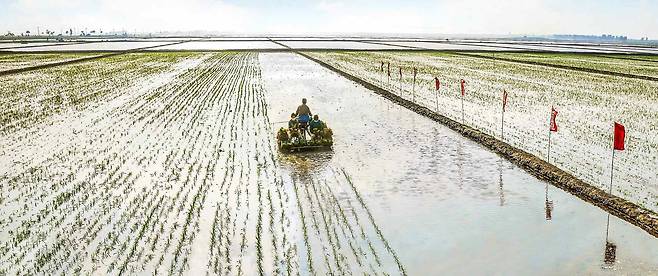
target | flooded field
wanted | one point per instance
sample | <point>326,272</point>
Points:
<point>165,163</point>
<point>356,45</point>
<point>222,45</point>
<point>588,105</point>
<point>444,203</point>
<point>88,44</point>
<point>91,46</point>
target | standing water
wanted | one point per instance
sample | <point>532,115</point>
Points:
<point>435,202</point>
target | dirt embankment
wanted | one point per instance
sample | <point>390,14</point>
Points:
<point>575,68</point>
<point>72,61</point>
<point>628,211</point>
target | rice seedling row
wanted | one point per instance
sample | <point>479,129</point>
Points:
<point>169,168</point>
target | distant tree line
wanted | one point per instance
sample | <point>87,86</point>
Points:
<point>49,33</point>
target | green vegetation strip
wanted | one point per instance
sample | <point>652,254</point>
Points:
<point>630,212</point>
<point>66,62</point>
<point>567,67</point>
<point>53,64</point>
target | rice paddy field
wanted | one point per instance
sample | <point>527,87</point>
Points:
<point>17,61</point>
<point>587,103</point>
<point>166,163</point>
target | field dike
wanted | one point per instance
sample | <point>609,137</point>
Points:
<point>617,206</point>
<point>78,60</point>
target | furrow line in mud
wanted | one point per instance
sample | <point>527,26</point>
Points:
<point>630,212</point>
<point>309,252</point>
<point>312,209</point>
<point>332,242</point>
<point>343,223</point>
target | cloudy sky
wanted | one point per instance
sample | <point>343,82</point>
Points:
<point>632,18</point>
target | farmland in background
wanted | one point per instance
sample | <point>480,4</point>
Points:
<point>16,61</point>
<point>588,104</point>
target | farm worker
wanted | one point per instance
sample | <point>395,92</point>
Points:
<point>293,121</point>
<point>316,124</point>
<point>303,112</point>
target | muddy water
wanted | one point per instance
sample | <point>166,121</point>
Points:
<point>443,203</point>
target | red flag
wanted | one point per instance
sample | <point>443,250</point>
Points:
<point>620,133</point>
<point>504,99</point>
<point>389,69</point>
<point>463,82</point>
<point>437,83</point>
<point>553,124</point>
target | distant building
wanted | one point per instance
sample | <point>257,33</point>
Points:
<point>604,37</point>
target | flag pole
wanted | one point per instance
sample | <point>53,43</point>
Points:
<point>612,169</point>
<point>400,81</point>
<point>462,108</point>
<point>388,75</point>
<point>436,96</point>
<point>549,142</point>
<point>502,124</point>
<point>413,90</point>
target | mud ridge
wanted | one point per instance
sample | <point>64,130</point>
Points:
<point>626,210</point>
<point>566,67</point>
<point>72,61</point>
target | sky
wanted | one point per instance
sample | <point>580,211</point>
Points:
<point>474,17</point>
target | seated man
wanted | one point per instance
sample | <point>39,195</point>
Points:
<point>303,113</point>
<point>316,125</point>
<point>293,121</point>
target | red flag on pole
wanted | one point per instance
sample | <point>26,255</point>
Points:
<point>437,83</point>
<point>389,69</point>
<point>620,134</point>
<point>504,99</point>
<point>553,123</point>
<point>463,82</point>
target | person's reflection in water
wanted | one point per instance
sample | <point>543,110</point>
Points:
<point>549,205</point>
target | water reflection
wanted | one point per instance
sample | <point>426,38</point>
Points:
<point>501,192</point>
<point>306,163</point>
<point>610,252</point>
<point>410,171</point>
<point>460,165</point>
<point>549,205</point>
